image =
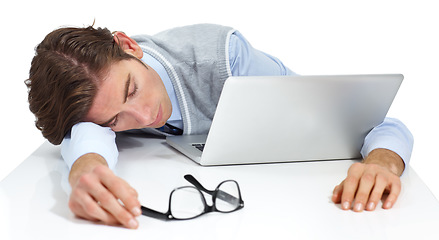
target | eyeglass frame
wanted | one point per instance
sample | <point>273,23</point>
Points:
<point>207,208</point>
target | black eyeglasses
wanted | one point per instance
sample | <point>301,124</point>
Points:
<point>188,202</point>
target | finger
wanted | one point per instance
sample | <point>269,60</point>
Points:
<point>86,207</point>
<point>127,195</point>
<point>367,182</point>
<point>350,185</point>
<point>111,207</point>
<point>377,192</point>
<point>395,190</point>
<point>79,211</point>
<point>123,191</point>
<point>89,190</point>
<point>94,210</point>
<point>336,194</point>
<point>75,205</point>
<point>114,188</point>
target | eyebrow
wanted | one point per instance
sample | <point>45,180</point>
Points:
<point>127,87</point>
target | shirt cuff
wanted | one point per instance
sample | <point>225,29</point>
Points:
<point>86,138</point>
<point>393,135</point>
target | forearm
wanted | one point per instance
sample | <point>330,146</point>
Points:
<point>86,138</point>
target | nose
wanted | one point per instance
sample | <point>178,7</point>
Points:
<point>142,115</point>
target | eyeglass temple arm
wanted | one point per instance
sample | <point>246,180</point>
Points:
<point>229,198</point>
<point>197,184</point>
<point>221,194</point>
<point>153,213</point>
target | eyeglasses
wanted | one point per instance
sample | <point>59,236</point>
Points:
<point>188,202</point>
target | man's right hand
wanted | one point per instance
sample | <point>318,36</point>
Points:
<point>99,195</point>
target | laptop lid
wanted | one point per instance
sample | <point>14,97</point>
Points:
<point>292,118</point>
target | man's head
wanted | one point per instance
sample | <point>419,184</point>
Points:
<point>76,76</point>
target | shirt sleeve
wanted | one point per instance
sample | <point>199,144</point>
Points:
<point>248,61</point>
<point>87,137</point>
<point>392,134</point>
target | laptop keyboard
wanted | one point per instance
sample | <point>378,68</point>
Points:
<point>199,146</point>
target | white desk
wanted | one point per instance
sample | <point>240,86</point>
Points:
<point>282,201</point>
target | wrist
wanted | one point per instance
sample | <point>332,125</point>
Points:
<point>386,158</point>
<point>85,164</point>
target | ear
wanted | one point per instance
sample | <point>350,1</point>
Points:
<point>128,44</point>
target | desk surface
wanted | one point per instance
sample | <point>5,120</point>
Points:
<point>282,201</point>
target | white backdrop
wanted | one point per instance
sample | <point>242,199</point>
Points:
<point>311,37</point>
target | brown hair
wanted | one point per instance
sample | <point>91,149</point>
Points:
<point>64,75</point>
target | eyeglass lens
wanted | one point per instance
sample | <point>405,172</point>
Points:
<point>188,202</point>
<point>227,197</point>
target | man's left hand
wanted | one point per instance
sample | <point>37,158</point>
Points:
<point>367,182</point>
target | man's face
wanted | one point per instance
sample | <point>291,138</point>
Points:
<point>131,96</point>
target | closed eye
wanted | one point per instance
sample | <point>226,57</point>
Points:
<point>114,122</point>
<point>134,91</point>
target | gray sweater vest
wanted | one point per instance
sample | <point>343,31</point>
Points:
<point>197,61</point>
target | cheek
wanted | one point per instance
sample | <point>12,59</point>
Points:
<point>145,98</point>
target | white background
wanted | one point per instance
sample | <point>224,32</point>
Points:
<point>310,37</point>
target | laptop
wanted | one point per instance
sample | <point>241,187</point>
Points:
<point>273,119</point>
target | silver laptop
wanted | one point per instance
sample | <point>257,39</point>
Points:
<point>291,118</point>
